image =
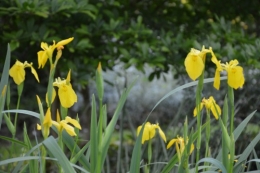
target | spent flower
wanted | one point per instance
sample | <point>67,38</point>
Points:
<point>149,131</point>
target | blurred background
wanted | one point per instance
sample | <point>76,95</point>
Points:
<point>145,39</point>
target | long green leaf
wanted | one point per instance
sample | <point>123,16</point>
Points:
<point>246,152</point>
<point>4,80</point>
<point>26,112</point>
<point>70,143</point>
<point>111,126</point>
<point>13,140</point>
<point>170,164</point>
<point>93,138</point>
<point>51,144</point>
<point>215,162</point>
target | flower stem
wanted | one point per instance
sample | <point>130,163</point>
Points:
<point>232,116</point>
<point>198,101</point>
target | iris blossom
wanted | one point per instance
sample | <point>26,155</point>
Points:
<point>210,105</point>
<point>234,73</point>
<point>195,62</point>
<point>47,51</point>
<point>60,125</point>
<point>17,71</point>
<point>180,146</point>
<point>46,125</point>
<point>149,132</point>
<point>66,94</point>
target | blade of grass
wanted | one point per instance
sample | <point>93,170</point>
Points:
<point>93,138</point>
<point>246,152</point>
<point>111,126</point>
<point>215,162</point>
<point>4,80</point>
<point>52,146</point>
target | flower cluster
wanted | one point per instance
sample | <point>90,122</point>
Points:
<point>195,64</point>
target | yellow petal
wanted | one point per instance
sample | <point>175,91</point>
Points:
<point>161,133</point>
<point>17,72</point>
<point>171,143</point>
<point>64,42</point>
<point>42,58</point>
<point>216,111</point>
<point>191,148</point>
<point>47,122</point>
<point>67,96</point>
<point>69,129</point>
<point>195,112</point>
<point>39,127</point>
<point>73,121</point>
<point>35,74</point>
<point>236,77</point>
<point>194,64</point>
<point>216,83</point>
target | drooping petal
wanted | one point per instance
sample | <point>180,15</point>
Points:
<point>194,64</point>
<point>17,72</point>
<point>235,77</point>
<point>42,58</point>
<point>69,129</point>
<point>73,121</point>
<point>67,96</point>
<point>171,143</point>
<point>161,133</point>
<point>35,73</point>
<point>216,111</point>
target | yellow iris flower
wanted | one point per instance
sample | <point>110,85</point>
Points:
<point>180,146</point>
<point>210,105</point>
<point>47,51</point>
<point>149,132</point>
<point>60,125</point>
<point>47,123</point>
<point>17,71</point>
<point>195,62</point>
<point>66,93</point>
<point>234,73</point>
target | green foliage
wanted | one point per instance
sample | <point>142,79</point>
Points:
<point>133,32</point>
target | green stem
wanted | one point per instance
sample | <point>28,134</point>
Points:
<point>60,143</point>
<point>19,90</point>
<point>207,153</point>
<point>198,101</point>
<point>149,154</point>
<point>43,162</point>
<point>232,116</point>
